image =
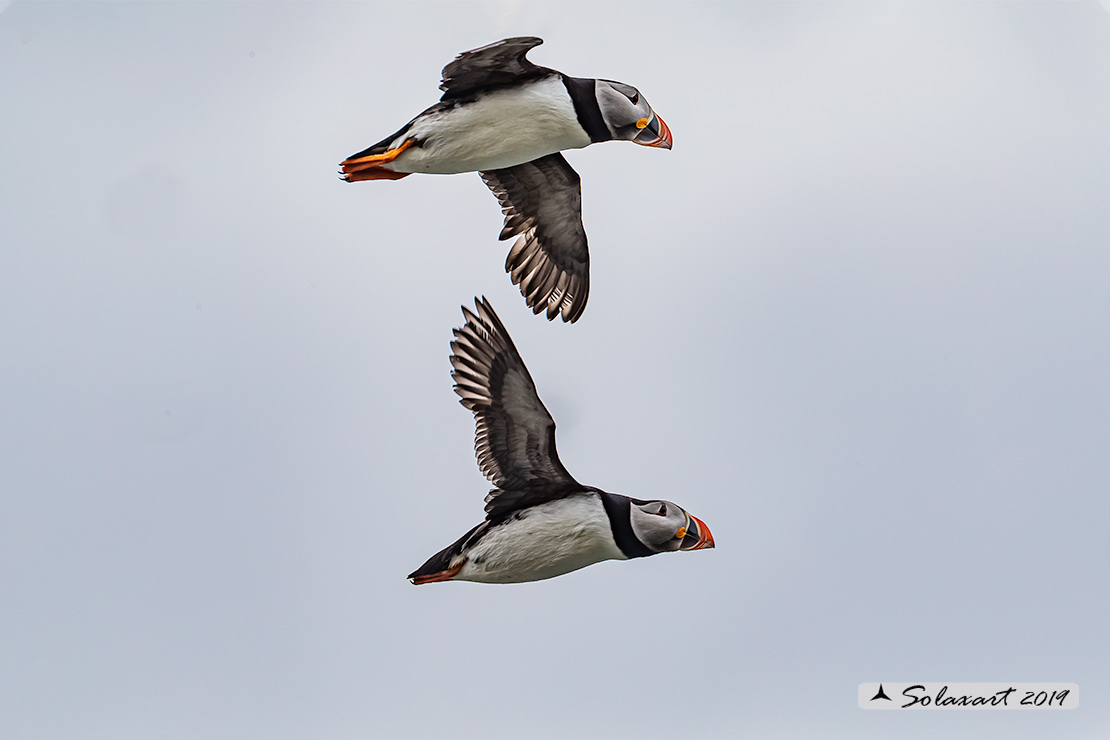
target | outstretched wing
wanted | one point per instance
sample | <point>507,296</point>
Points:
<point>499,63</point>
<point>542,203</point>
<point>515,436</point>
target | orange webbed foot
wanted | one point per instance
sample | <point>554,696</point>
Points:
<point>443,575</point>
<point>370,167</point>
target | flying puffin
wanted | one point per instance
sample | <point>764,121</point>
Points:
<point>540,522</point>
<point>508,119</point>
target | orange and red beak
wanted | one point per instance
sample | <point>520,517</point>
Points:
<point>698,536</point>
<point>655,133</point>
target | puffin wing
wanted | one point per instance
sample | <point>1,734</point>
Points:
<point>514,439</point>
<point>498,64</point>
<point>542,203</point>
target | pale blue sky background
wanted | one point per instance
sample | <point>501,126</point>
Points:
<point>858,320</point>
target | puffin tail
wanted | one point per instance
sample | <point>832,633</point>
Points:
<point>369,164</point>
<point>439,568</point>
<point>418,577</point>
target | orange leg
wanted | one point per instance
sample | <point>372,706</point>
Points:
<point>443,575</point>
<point>374,173</point>
<point>370,166</point>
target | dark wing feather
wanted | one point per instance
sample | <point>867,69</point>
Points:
<point>498,64</point>
<point>542,203</point>
<point>515,436</point>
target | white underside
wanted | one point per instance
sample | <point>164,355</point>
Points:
<point>502,128</point>
<point>552,539</point>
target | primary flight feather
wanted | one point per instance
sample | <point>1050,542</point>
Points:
<point>507,119</point>
<point>540,522</point>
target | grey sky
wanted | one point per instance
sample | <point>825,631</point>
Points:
<point>858,320</point>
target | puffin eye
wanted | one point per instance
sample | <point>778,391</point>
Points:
<point>662,510</point>
<point>627,91</point>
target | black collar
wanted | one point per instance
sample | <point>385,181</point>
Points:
<point>584,96</point>
<point>619,509</point>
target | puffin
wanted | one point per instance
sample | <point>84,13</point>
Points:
<point>507,119</point>
<point>540,522</point>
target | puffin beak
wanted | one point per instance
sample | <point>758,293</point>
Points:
<point>655,133</point>
<point>697,537</point>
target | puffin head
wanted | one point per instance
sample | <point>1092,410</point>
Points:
<point>665,527</point>
<point>629,116</point>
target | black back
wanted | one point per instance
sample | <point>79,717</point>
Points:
<point>499,64</point>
